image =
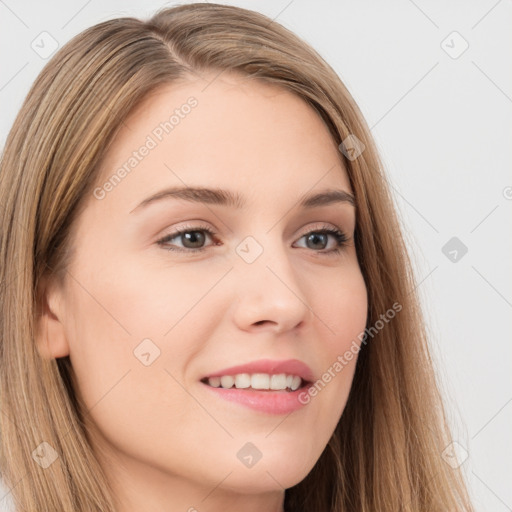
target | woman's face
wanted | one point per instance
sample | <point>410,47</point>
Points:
<point>145,322</point>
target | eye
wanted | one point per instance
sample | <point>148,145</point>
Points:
<point>193,239</point>
<point>191,236</point>
<point>321,237</point>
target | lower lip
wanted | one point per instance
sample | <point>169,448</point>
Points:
<point>270,402</point>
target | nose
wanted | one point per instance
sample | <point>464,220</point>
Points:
<point>268,290</point>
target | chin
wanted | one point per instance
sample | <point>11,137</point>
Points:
<point>274,474</point>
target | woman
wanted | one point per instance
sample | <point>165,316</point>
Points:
<point>173,336</point>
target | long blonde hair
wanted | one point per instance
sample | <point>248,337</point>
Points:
<point>385,453</point>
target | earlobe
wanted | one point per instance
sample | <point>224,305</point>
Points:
<point>51,340</point>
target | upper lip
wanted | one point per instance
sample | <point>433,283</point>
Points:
<point>270,366</point>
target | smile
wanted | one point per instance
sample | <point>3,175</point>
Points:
<point>259,381</point>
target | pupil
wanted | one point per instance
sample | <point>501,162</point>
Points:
<point>195,237</point>
<point>315,236</point>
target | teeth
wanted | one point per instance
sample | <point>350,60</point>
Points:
<point>214,381</point>
<point>242,381</point>
<point>260,381</point>
<point>226,381</point>
<point>295,383</point>
<point>277,382</point>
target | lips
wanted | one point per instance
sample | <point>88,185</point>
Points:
<point>258,397</point>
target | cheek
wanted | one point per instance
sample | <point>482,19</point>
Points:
<point>342,315</point>
<point>343,309</point>
<point>132,330</point>
<point>129,300</point>
<point>127,369</point>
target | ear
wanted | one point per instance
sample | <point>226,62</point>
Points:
<point>50,337</point>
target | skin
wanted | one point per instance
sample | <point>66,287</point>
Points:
<point>164,442</point>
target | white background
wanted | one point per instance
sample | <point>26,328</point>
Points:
<point>444,128</point>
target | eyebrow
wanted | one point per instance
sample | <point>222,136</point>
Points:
<point>217,196</point>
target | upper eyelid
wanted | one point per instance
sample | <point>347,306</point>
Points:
<point>199,227</point>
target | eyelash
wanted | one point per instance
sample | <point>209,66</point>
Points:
<point>340,237</point>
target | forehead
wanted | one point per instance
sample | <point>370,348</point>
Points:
<point>224,131</point>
